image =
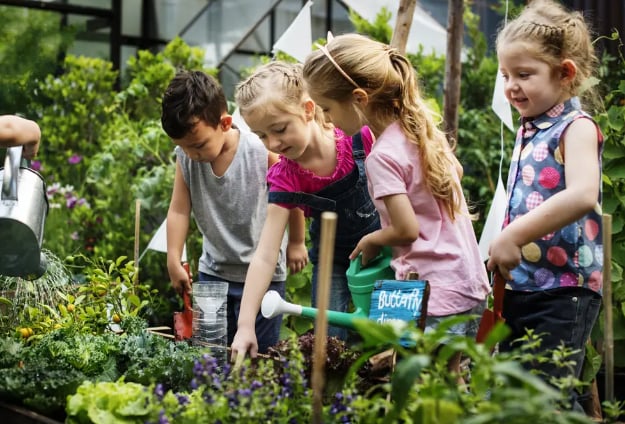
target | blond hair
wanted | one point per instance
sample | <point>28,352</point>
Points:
<point>391,84</point>
<point>552,34</point>
<point>277,84</point>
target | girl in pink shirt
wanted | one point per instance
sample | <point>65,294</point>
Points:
<point>413,176</point>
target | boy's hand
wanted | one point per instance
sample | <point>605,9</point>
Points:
<point>244,341</point>
<point>180,279</point>
<point>296,257</point>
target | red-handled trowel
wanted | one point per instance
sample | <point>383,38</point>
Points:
<point>183,321</point>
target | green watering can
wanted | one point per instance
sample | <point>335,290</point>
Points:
<point>360,280</point>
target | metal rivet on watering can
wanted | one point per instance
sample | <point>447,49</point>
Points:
<point>23,210</point>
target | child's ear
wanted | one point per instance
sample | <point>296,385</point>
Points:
<point>309,109</point>
<point>360,97</point>
<point>225,122</point>
<point>568,70</point>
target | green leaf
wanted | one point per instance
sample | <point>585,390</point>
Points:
<point>406,372</point>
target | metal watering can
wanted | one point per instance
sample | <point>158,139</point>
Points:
<point>23,211</point>
<point>360,280</point>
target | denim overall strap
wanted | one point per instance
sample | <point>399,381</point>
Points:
<point>356,213</point>
<point>301,198</point>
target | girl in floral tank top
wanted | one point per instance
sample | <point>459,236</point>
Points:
<point>550,250</point>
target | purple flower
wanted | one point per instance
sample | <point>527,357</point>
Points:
<point>74,159</point>
<point>162,418</point>
<point>182,399</point>
<point>36,165</point>
<point>159,391</point>
<point>70,201</point>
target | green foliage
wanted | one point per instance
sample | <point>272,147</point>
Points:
<point>41,375</point>
<point>149,74</point>
<point>275,389</point>
<point>378,30</point>
<point>612,123</point>
<point>496,388</point>
<point>28,30</point>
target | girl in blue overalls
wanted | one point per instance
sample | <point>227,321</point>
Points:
<point>320,169</point>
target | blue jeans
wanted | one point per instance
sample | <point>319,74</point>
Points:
<point>267,330</point>
<point>467,328</point>
<point>559,316</point>
<point>340,296</point>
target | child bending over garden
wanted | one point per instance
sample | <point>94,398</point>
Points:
<point>221,176</point>
<point>550,248</point>
<point>18,131</point>
<point>414,177</point>
<point>321,169</point>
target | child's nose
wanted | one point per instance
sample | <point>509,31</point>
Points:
<point>273,143</point>
<point>511,84</point>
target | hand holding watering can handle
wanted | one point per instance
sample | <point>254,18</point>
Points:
<point>384,252</point>
<point>11,173</point>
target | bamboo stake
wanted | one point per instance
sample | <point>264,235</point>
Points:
<point>324,279</point>
<point>137,226</point>
<point>608,340</point>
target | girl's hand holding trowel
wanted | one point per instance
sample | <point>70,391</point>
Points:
<point>180,278</point>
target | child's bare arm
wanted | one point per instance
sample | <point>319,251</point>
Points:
<point>403,229</point>
<point>296,252</point>
<point>177,228</point>
<point>258,278</point>
<point>582,173</point>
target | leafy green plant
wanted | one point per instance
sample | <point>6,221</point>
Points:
<point>28,30</point>
<point>40,375</point>
<point>612,123</point>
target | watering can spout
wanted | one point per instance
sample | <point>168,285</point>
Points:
<point>23,209</point>
<point>273,305</point>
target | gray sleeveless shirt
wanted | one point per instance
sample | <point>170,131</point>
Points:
<point>230,210</point>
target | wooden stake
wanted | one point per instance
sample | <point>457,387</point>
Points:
<point>453,68</point>
<point>608,336</point>
<point>137,227</point>
<point>405,15</point>
<point>324,280</point>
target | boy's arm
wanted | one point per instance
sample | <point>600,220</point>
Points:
<point>258,278</point>
<point>177,228</point>
<point>15,131</point>
<point>296,252</point>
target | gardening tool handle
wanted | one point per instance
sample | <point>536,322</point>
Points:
<point>499,287</point>
<point>185,294</point>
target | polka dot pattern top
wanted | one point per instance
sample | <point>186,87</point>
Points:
<point>573,255</point>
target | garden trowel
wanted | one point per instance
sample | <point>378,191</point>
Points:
<point>183,321</point>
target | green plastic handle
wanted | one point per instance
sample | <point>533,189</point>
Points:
<point>385,252</point>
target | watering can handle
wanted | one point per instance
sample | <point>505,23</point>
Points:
<point>11,173</point>
<point>384,252</point>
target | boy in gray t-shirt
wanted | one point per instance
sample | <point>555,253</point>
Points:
<point>221,178</point>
